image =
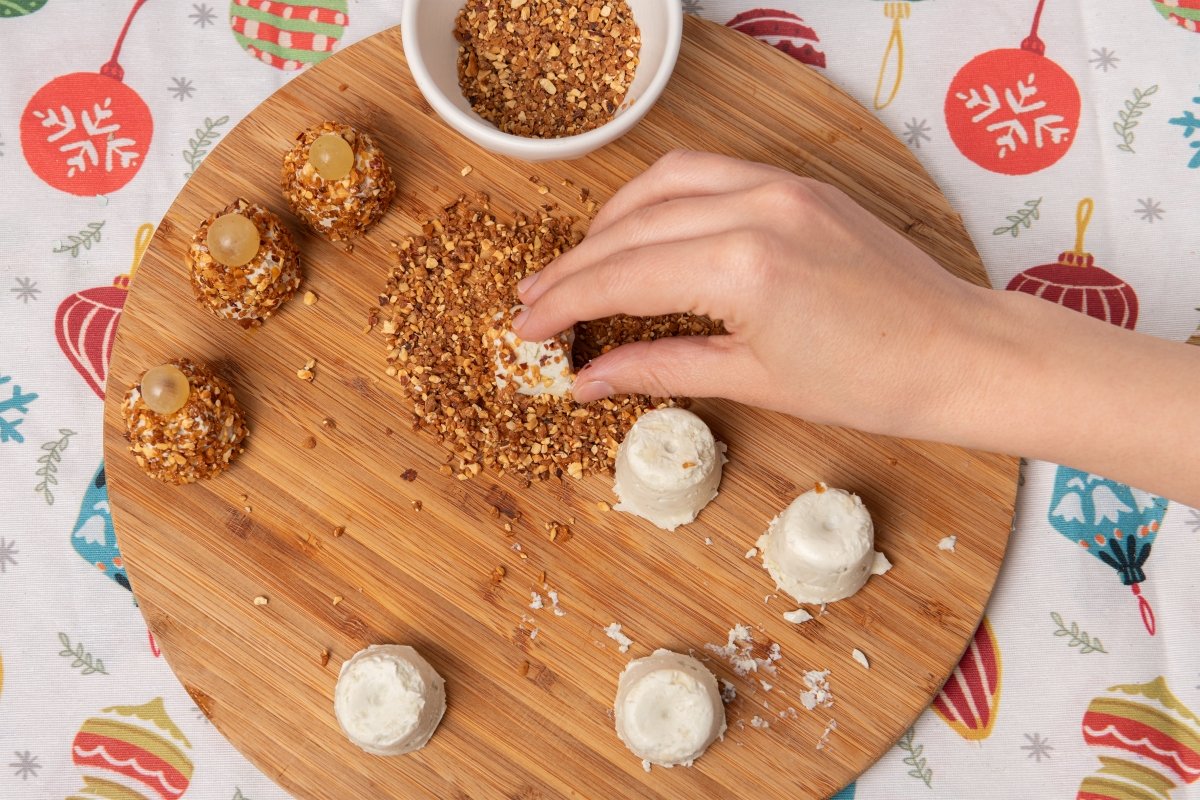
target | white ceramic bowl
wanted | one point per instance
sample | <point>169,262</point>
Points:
<point>432,53</point>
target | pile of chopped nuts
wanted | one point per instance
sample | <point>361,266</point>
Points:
<point>440,301</point>
<point>546,68</point>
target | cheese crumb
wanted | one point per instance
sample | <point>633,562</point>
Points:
<point>708,540</point>
<point>758,722</point>
<point>613,632</point>
<point>737,650</point>
<point>728,691</point>
<point>881,565</point>
<point>861,658</point>
<point>830,727</point>
<point>797,617</point>
<point>553,595</point>
<point>752,552</point>
<point>818,693</point>
<point>535,601</point>
<point>948,543</point>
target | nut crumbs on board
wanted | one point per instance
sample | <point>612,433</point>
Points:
<point>464,267</point>
<point>339,531</point>
<point>324,659</point>
<point>310,298</point>
<point>261,600</point>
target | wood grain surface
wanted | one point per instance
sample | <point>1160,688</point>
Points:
<point>198,555</point>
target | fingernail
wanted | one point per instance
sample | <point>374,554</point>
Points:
<point>519,321</point>
<point>592,390</point>
<point>526,283</point>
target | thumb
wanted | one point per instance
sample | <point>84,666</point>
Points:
<point>682,366</point>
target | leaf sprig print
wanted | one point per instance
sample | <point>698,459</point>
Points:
<point>1127,118</point>
<point>81,659</point>
<point>48,471</point>
<point>1021,218</point>
<point>201,142</point>
<point>85,239</point>
<point>920,768</point>
<point>1076,637</point>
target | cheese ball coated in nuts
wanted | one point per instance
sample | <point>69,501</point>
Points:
<point>255,290</point>
<point>344,207</point>
<point>197,441</point>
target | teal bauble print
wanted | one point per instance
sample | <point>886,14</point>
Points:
<point>19,8</point>
<point>1111,521</point>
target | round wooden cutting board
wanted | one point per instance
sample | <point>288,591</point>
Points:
<point>529,714</point>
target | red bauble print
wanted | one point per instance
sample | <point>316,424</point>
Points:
<point>969,699</point>
<point>87,133</point>
<point>1076,282</point>
<point>1013,111</point>
<point>86,322</point>
<point>783,31</point>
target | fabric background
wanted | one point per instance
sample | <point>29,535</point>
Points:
<point>1066,627</point>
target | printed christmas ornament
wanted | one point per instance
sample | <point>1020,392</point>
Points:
<point>782,30</point>
<point>1013,111</point>
<point>845,794</point>
<point>288,35</point>
<point>897,12</point>
<point>1114,522</point>
<point>132,752</point>
<point>969,699</point>
<point>19,8</point>
<point>94,537</point>
<point>1147,740</point>
<point>1184,13</point>
<point>1076,282</point>
<point>86,322</point>
<point>87,133</point>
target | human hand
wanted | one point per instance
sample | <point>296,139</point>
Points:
<point>831,315</point>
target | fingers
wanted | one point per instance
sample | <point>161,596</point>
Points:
<point>683,173</point>
<point>708,275</point>
<point>669,221</point>
<point>685,366</point>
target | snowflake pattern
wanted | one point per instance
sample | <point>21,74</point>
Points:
<point>81,137</point>
<point>915,131</point>
<point>202,15</point>
<point>1104,59</point>
<point>1,147</point>
<point>1194,520</point>
<point>8,554</point>
<point>16,402</point>
<point>1017,102</point>
<point>181,88</point>
<point>693,7</point>
<point>1190,124</point>
<point>25,290</point>
<point>26,765</point>
<point>1038,747</point>
<point>1149,210</point>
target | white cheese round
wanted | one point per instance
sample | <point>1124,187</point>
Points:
<point>822,547</point>
<point>668,709</point>
<point>668,468</point>
<point>389,700</point>
<point>534,367</point>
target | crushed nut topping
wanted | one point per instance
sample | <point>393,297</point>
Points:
<point>547,68</point>
<point>441,300</point>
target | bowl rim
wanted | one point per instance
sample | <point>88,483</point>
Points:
<point>487,135</point>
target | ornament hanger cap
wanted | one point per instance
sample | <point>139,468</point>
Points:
<point>1031,42</point>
